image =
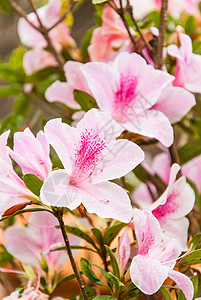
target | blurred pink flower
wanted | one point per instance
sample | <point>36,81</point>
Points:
<point>127,89</point>
<point>32,153</point>
<point>49,15</point>
<point>14,194</point>
<point>110,38</point>
<point>192,170</point>
<point>188,66</point>
<point>91,156</point>
<point>38,59</point>
<point>29,244</point>
<point>63,91</point>
<point>156,257</point>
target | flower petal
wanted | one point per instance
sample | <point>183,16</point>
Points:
<point>184,283</point>
<point>148,274</point>
<point>56,191</point>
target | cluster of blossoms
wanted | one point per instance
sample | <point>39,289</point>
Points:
<point>132,96</point>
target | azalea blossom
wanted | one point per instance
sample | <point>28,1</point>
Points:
<point>38,59</point>
<point>127,89</point>
<point>32,153</point>
<point>91,156</point>
<point>156,257</point>
<point>175,102</point>
<point>63,91</point>
<point>173,205</point>
<point>191,170</point>
<point>188,66</point>
<point>31,292</point>
<point>29,244</point>
<point>14,194</point>
<point>110,38</point>
<point>49,15</point>
<point>123,252</point>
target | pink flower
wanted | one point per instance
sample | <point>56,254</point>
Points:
<point>63,91</point>
<point>187,73</point>
<point>110,38</point>
<point>30,293</point>
<point>49,15</point>
<point>91,156</point>
<point>29,244</point>
<point>173,205</point>
<point>32,153</point>
<point>127,89</point>
<point>14,194</point>
<point>192,171</point>
<point>123,252</point>
<point>156,257</point>
<point>38,59</point>
<point>175,103</point>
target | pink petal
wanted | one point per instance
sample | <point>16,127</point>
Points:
<point>61,92</point>
<point>147,230</point>
<point>183,282</point>
<point>175,103</point>
<point>151,123</point>
<point>22,245</point>
<point>163,198</point>
<point>192,171</point>
<point>107,200</point>
<point>61,137</point>
<point>161,165</point>
<point>100,80</point>
<point>38,59</point>
<point>56,191</point>
<point>123,157</point>
<point>26,146</point>
<point>123,251</point>
<point>177,229</point>
<point>3,148</point>
<point>148,274</point>
<point>75,77</point>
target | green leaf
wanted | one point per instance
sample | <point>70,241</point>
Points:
<point>67,278</point>
<point>76,231</point>
<point>113,262</point>
<point>119,285</point>
<point>6,91</point>
<point>85,44</point>
<point>112,232</point>
<point>73,247</point>
<point>42,74</point>
<point>154,16</point>
<point>195,282</point>
<point>97,233</point>
<point>181,296</point>
<point>195,240</point>
<point>189,151</point>
<point>105,297</point>
<point>166,293</point>
<point>5,257</point>
<point>33,183</point>
<point>5,6</point>
<point>89,273</point>
<point>193,258</point>
<point>22,211</point>
<point>140,173</point>
<point>84,100</point>
<point>98,1</point>
<point>190,25</point>
<point>7,74</point>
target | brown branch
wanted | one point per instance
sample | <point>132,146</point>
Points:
<point>162,31</point>
<point>174,157</point>
<point>42,29</point>
<point>130,10</point>
<point>58,212</point>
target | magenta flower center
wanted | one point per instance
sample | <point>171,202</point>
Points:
<point>88,154</point>
<point>166,209</point>
<point>124,96</point>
